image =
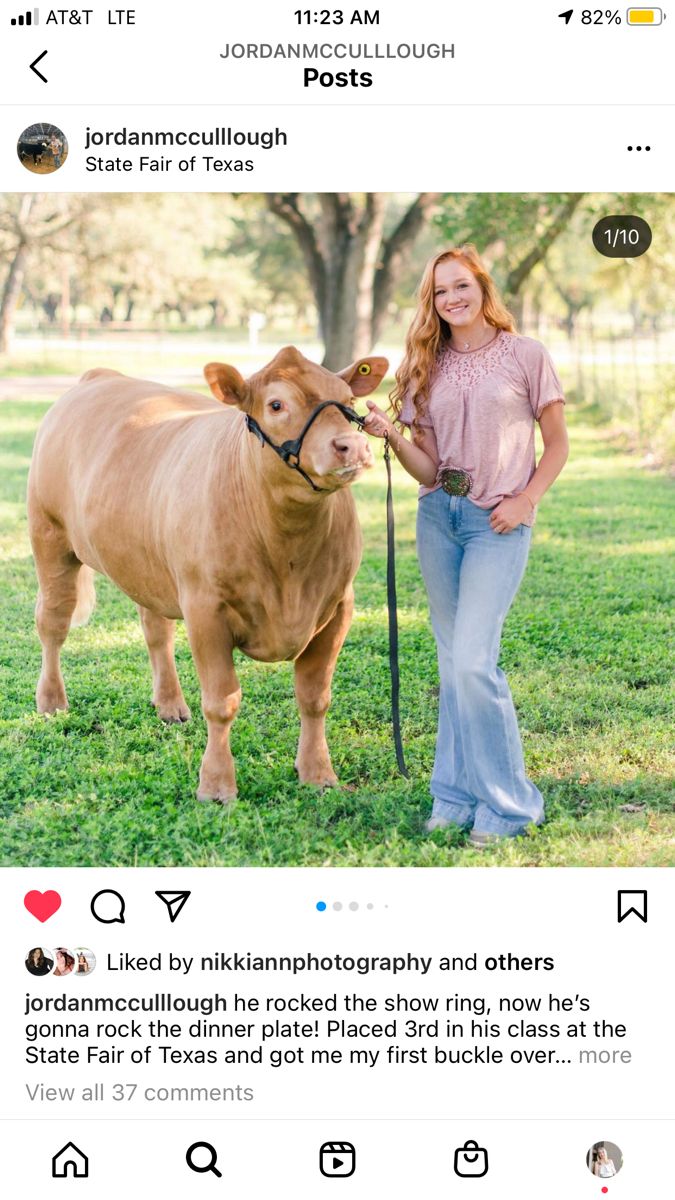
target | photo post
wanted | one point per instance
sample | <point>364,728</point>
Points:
<point>337,378</point>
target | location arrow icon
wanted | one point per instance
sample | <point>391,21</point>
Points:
<point>175,902</point>
<point>567,16</point>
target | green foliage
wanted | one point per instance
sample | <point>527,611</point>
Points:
<point>585,647</point>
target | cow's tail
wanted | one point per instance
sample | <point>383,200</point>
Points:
<point>86,597</point>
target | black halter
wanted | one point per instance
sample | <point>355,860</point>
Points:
<point>289,452</point>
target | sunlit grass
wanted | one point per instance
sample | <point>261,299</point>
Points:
<point>587,649</point>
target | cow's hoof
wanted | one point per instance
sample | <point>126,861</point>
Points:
<point>172,712</point>
<point>220,797</point>
<point>318,779</point>
<point>50,700</point>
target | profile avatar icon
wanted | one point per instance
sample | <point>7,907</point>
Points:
<point>39,961</point>
<point>42,148</point>
<point>604,1160</point>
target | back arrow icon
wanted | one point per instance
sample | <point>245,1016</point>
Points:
<point>33,66</point>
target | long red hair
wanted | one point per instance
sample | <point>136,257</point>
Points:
<point>428,332</point>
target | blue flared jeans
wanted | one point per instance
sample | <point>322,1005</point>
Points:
<point>472,575</point>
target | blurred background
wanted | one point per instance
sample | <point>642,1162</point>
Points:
<point>161,284</point>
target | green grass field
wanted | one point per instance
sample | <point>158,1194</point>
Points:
<point>586,648</point>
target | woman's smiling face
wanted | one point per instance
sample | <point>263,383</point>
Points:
<point>458,296</point>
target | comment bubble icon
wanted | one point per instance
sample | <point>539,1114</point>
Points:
<point>107,906</point>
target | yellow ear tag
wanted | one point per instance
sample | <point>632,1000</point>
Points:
<point>364,369</point>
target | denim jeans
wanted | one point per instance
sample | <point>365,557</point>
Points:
<point>472,575</point>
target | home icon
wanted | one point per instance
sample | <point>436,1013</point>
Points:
<point>70,1157</point>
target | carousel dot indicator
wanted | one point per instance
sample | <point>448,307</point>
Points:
<point>321,906</point>
<point>337,906</point>
<point>353,907</point>
<point>369,906</point>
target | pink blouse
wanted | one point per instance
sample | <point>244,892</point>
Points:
<point>481,410</point>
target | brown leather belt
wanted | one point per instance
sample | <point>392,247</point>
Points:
<point>455,481</point>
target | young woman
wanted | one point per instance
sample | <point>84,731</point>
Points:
<point>37,962</point>
<point>64,961</point>
<point>471,389</point>
<point>603,1166</point>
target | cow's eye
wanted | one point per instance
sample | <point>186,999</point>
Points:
<point>276,405</point>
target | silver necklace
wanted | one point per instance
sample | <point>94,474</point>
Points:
<point>467,345</point>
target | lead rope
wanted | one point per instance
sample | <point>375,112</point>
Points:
<point>393,619</point>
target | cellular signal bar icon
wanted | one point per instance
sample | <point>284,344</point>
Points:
<point>30,18</point>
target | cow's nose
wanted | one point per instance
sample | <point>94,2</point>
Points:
<point>349,444</point>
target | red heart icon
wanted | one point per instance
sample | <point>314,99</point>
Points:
<point>42,905</point>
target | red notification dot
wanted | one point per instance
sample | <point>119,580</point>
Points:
<point>604,1190</point>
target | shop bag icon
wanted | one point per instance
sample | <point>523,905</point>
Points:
<point>471,1161</point>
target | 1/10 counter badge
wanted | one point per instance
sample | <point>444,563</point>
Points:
<point>622,236</point>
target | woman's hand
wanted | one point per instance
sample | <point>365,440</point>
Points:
<point>377,422</point>
<point>420,461</point>
<point>513,511</point>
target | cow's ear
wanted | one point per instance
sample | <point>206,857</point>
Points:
<point>365,375</point>
<point>226,383</point>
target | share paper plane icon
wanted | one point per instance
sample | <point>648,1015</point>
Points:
<point>175,902</point>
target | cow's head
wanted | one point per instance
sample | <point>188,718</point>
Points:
<point>287,391</point>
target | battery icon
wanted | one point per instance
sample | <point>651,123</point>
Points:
<point>644,16</point>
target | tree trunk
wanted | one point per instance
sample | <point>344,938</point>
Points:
<point>365,295</point>
<point>14,280</point>
<point>65,299</point>
<point>352,269</point>
<point>395,253</point>
<point>351,242</point>
<point>28,234</point>
<point>10,296</point>
<point>519,274</point>
<point>218,314</point>
<point>50,306</point>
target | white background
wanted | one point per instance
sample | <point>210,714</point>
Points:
<point>362,149</point>
<point>570,914</point>
<point>518,53</point>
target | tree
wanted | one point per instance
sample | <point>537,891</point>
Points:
<point>514,231</point>
<point>26,222</point>
<point>352,262</point>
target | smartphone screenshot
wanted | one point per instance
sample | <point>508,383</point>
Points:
<point>337,805</point>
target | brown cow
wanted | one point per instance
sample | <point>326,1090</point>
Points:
<point>173,497</point>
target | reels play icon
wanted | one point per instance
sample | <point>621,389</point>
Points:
<point>337,1159</point>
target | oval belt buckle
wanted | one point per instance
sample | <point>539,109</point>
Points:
<point>455,482</point>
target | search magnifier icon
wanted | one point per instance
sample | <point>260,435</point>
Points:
<point>208,1163</point>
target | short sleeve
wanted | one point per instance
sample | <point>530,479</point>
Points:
<point>544,385</point>
<point>407,415</point>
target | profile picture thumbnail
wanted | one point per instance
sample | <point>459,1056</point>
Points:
<point>604,1160</point>
<point>42,148</point>
<point>85,961</point>
<point>64,961</point>
<point>39,961</point>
